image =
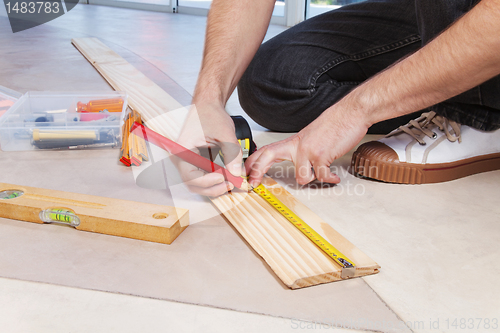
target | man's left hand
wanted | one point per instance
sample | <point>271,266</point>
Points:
<point>313,149</point>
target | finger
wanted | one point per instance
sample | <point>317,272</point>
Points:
<point>284,151</point>
<point>252,158</point>
<point>323,174</point>
<point>178,160</point>
<point>187,171</point>
<point>303,170</point>
<point>201,179</point>
<point>264,158</point>
<point>213,191</point>
<point>233,157</point>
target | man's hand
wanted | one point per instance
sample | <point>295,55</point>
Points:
<point>313,149</point>
<point>216,132</point>
<point>235,30</point>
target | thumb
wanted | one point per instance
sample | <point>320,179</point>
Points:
<point>233,156</point>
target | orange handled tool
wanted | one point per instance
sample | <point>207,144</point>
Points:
<point>99,105</point>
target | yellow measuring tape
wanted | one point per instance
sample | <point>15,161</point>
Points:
<point>348,267</point>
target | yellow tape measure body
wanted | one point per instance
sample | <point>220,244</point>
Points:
<point>348,267</point>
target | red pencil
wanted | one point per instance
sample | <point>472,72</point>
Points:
<point>186,154</point>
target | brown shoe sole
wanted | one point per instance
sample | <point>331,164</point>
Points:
<point>378,161</point>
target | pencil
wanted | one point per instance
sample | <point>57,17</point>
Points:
<point>186,154</point>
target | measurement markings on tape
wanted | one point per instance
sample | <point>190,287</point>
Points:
<point>348,267</point>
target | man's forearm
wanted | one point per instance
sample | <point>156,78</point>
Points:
<point>235,29</point>
<point>462,57</point>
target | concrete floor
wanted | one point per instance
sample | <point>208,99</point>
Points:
<point>437,244</point>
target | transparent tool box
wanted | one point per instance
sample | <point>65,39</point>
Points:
<point>7,99</point>
<point>50,120</point>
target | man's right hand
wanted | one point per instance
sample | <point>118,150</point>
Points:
<point>217,132</point>
<point>235,30</point>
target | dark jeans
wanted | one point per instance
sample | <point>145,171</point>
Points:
<point>298,74</point>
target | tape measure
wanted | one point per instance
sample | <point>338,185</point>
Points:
<point>244,136</point>
<point>347,265</point>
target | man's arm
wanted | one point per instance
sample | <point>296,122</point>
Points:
<point>235,30</point>
<point>463,56</point>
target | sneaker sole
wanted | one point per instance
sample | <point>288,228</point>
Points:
<point>411,173</point>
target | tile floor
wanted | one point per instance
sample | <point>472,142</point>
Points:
<point>437,244</point>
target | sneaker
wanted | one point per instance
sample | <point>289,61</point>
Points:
<point>429,149</point>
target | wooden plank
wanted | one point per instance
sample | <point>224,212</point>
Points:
<point>290,254</point>
<point>137,220</point>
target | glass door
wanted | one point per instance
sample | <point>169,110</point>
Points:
<point>154,5</point>
<point>316,7</point>
<point>201,7</point>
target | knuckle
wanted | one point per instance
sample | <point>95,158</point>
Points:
<point>316,154</point>
<point>268,152</point>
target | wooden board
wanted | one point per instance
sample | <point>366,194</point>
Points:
<point>155,223</point>
<point>290,254</point>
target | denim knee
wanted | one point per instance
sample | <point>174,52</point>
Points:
<point>272,95</point>
<point>252,100</point>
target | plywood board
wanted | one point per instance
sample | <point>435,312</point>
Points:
<point>137,220</point>
<point>290,254</point>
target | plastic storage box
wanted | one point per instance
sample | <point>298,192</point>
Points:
<point>7,99</point>
<point>57,120</point>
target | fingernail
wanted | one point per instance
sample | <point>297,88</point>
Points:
<point>230,186</point>
<point>221,179</point>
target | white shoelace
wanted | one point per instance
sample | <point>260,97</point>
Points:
<point>424,124</point>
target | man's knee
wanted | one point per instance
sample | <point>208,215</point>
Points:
<point>267,106</point>
<point>267,101</point>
